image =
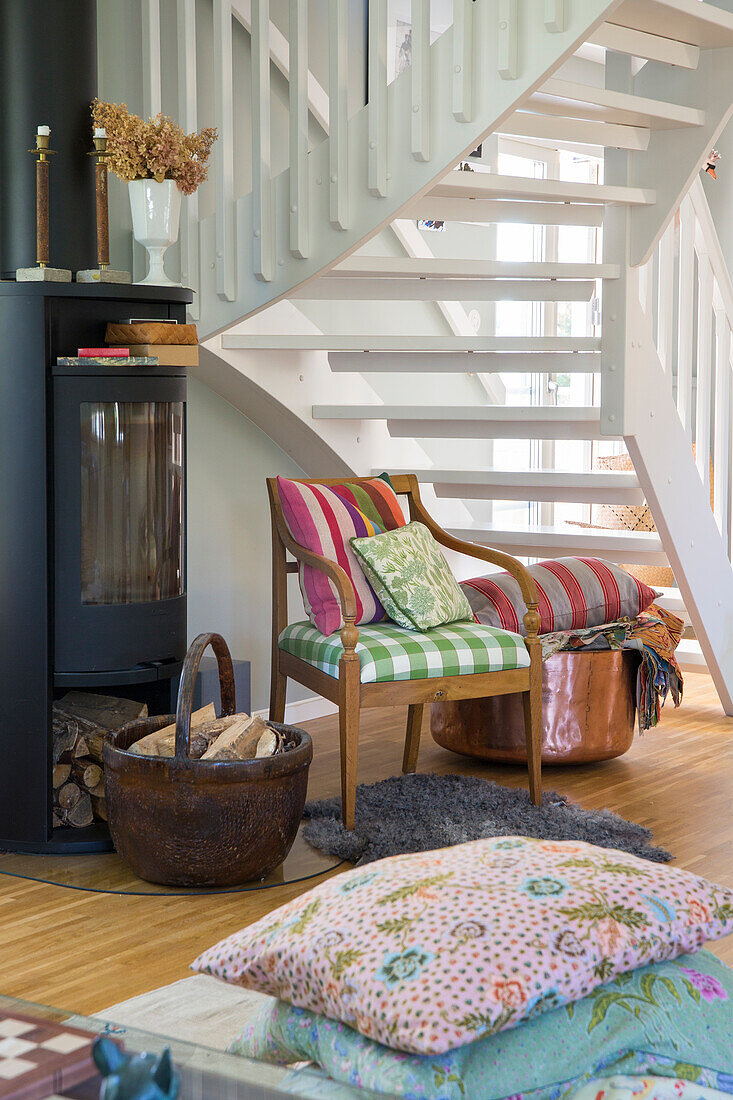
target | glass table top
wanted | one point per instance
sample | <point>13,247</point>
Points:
<point>205,1072</point>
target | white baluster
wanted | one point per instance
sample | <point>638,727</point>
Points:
<point>263,229</point>
<point>684,324</point>
<point>555,16</point>
<point>421,79</point>
<point>187,116</point>
<point>152,98</point>
<point>377,66</point>
<point>722,445</point>
<point>224,152</point>
<point>507,40</point>
<point>299,194</point>
<point>337,113</point>
<point>704,367</point>
<point>665,297</point>
<point>463,60</point>
<point>151,64</point>
<point>645,285</point>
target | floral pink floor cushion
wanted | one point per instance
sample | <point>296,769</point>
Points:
<point>429,951</point>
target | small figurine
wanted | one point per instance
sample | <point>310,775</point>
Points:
<point>134,1076</point>
<point>713,158</point>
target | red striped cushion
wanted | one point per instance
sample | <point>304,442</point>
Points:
<point>573,593</point>
<point>323,518</point>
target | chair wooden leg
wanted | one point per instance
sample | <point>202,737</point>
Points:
<point>412,737</point>
<point>532,701</point>
<point>278,690</point>
<point>349,705</point>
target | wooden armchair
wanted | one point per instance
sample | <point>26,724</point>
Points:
<point>347,690</point>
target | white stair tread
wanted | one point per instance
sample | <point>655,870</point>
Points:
<point>498,413</point>
<point>540,485</point>
<point>690,656</point>
<point>462,362</point>
<point>431,289</point>
<point>670,599</point>
<point>518,211</point>
<point>703,25</point>
<point>487,185</point>
<point>522,478</point>
<point>653,47</point>
<point>566,540</point>
<point>405,267</point>
<point>415,343</point>
<point>569,98</point>
<point>576,131</point>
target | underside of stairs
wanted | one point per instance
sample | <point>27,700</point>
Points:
<point>637,91</point>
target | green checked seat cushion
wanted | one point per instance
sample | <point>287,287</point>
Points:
<point>389,652</point>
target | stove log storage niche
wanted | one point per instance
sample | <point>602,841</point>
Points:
<point>92,532</point>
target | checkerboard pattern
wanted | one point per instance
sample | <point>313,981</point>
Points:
<point>38,1056</point>
<point>389,652</point>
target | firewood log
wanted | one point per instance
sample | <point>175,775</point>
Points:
<point>80,815</point>
<point>87,774</point>
<point>268,744</point>
<point>239,741</point>
<point>162,742</point>
<point>105,711</point>
<point>61,773</point>
<point>91,734</point>
<point>57,821</point>
<point>69,795</point>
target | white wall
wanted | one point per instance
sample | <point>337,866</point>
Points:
<point>229,565</point>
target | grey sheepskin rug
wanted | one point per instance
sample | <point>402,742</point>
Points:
<point>418,813</point>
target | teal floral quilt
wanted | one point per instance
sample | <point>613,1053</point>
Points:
<point>671,1020</point>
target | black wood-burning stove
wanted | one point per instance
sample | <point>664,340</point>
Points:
<point>92,531</point>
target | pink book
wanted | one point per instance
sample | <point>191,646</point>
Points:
<point>104,353</point>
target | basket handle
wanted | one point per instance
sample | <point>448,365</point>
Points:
<point>188,679</point>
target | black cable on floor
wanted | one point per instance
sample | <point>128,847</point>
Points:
<point>202,893</point>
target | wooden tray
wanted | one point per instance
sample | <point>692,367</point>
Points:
<point>150,333</point>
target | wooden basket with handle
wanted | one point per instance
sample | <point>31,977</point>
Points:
<point>185,822</point>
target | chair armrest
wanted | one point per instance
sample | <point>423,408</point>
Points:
<point>496,557</point>
<point>334,572</point>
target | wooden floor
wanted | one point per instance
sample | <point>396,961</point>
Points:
<point>84,951</point>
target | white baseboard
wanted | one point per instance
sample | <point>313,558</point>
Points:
<point>304,710</point>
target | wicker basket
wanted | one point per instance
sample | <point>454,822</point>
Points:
<point>186,822</point>
<point>633,517</point>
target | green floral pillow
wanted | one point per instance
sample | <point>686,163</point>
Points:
<point>411,577</point>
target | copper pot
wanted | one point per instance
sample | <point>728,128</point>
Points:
<point>588,713</point>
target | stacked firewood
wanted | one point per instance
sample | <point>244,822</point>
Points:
<point>236,737</point>
<point>80,723</point>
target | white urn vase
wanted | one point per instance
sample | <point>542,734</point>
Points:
<point>156,212</point>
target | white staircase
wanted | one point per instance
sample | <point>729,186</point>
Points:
<point>644,85</point>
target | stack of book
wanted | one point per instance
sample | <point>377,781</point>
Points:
<point>173,345</point>
<point>106,356</point>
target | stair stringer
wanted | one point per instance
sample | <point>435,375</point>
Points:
<point>678,500</point>
<point>540,55</point>
<point>674,157</point>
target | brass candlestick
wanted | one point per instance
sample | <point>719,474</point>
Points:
<point>42,152</point>
<point>102,273</point>
<point>43,272</point>
<point>100,173</point>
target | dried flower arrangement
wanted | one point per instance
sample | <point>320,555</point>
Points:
<point>157,149</point>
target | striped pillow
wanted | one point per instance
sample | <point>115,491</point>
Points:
<point>573,593</point>
<point>323,518</point>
